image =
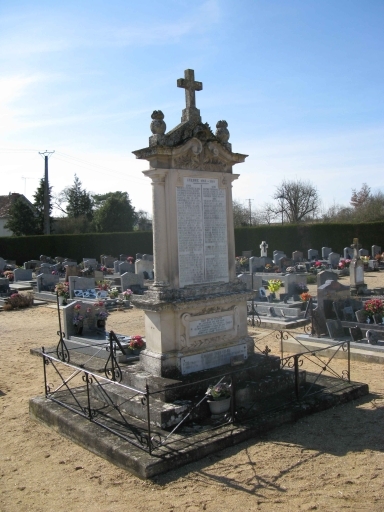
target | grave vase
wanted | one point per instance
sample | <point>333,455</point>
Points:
<point>219,406</point>
<point>61,300</point>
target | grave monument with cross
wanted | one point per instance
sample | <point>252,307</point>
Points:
<point>356,270</point>
<point>196,310</point>
<point>263,249</point>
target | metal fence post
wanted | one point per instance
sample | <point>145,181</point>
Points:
<point>233,404</point>
<point>148,419</point>
<point>296,361</point>
<point>88,396</point>
<point>349,361</point>
<point>45,372</point>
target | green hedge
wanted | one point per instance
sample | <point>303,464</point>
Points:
<point>301,237</point>
<point>287,238</point>
<point>90,245</point>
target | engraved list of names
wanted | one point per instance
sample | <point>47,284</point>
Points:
<point>202,232</point>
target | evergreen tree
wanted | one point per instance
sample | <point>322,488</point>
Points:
<point>21,220</point>
<point>114,213</point>
<point>79,201</point>
<point>39,207</point>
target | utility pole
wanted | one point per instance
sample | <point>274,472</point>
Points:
<point>250,210</point>
<point>47,228</point>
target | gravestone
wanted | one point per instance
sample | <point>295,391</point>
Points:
<point>284,263</point>
<point>291,281</point>
<point>2,264</point>
<point>70,270</point>
<point>128,279</point>
<point>142,266</point>
<point>69,263</point>
<point>325,275</point>
<point>277,255</point>
<point>247,279</point>
<point>108,261</point>
<point>4,285</point>
<point>313,254</point>
<point>138,256</point>
<point>297,256</point>
<point>335,329</point>
<point>356,270</point>
<point>116,267</point>
<point>375,249</point>
<point>325,251</point>
<point>246,254</point>
<point>22,274</point>
<point>255,264</point>
<point>196,309</point>
<point>126,267</point>
<point>363,252</point>
<point>82,284</point>
<point>347,253</point>
<point>373,264</point>
<point>263,249</point>
<point>90,262</point>
<point>46,282</point>
<point>329,292</point>
<point>333,259</point>
<point>147,257</point>
<point>123,257</point>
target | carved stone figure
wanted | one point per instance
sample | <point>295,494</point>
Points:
<point>158,125</point>
<point>222,133</point>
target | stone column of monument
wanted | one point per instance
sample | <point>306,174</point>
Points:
<point>196,311</point>
<point>356,270</point>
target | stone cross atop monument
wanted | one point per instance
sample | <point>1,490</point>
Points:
<point>356,246</point>
<point>263,249</point>
<point>190,85</point>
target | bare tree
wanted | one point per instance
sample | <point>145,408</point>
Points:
<point>297,200</point>
<point>361,197</point>
<point>243,216</point>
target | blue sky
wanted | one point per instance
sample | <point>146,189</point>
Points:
<point>299,82</point>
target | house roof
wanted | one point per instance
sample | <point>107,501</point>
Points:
<point>7,201</point>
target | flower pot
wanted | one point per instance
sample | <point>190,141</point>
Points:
<point>219,406</point>
<point>136,351</point>
<point>61,300</point>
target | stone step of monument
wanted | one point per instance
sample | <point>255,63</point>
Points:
<point>166,415</point>
<point>195,384</point>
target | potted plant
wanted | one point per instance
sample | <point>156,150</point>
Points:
<point>136,344</point>
<point>101,315</point>
<point>274,286</point>
<point>127,295</point>
<point>221,397</point>
<point>113,293</point>
<point>78,319</point>
<point>62,290</point>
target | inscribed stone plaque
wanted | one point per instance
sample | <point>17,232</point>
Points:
<point>210,325</point>
<point>202,232</point>
<point>206,360</point>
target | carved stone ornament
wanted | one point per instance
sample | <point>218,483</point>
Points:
<point>210,156</point>
<point>158,125</point>
<point>222,133</point>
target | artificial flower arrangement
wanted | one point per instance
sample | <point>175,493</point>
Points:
<point>77,318</point>
<point>374,307</point>
<point>136,342</point>
<point>305,297</point>
<point>220,391</point>
<point>130,259</point>
<point>127,294</point>
<point>274,285</point>
<point>62,290</point>
<point>102,285</point>
<point>343,263</point>
<point>113,293</point>
<point>18,301</point>
<point>102,314</point>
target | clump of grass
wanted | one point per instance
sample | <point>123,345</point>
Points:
<point>18,301</point>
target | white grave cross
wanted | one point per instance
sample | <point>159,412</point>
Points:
<point>263,249</point>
